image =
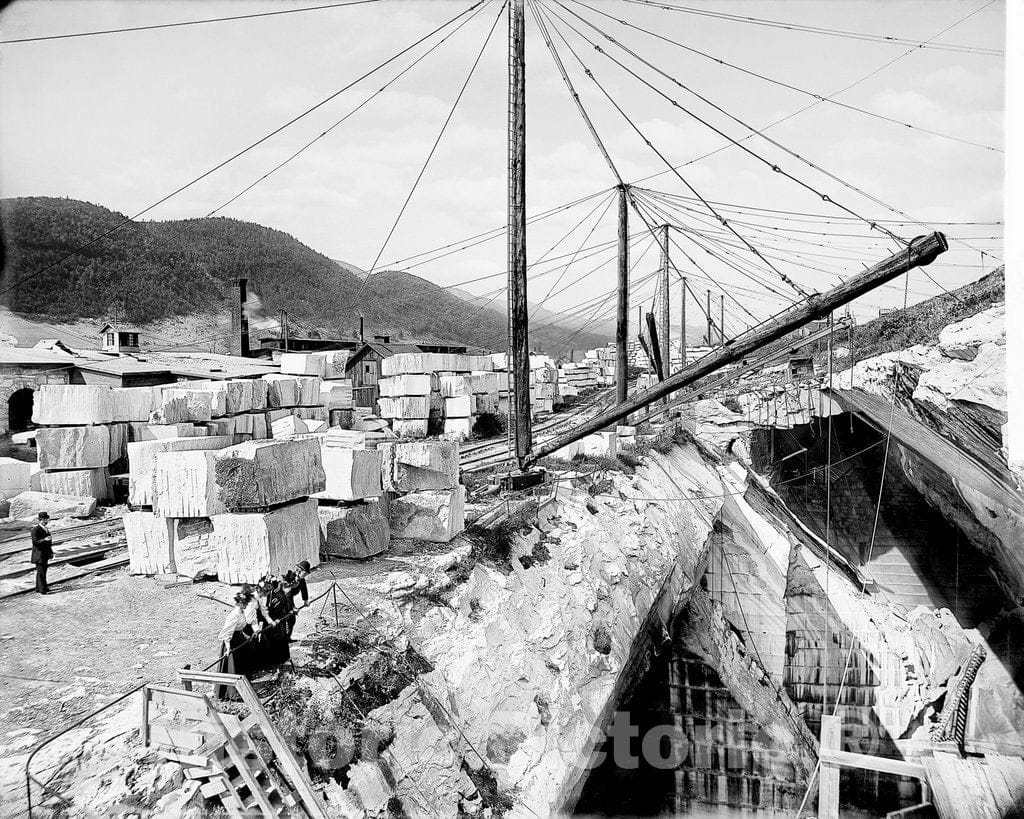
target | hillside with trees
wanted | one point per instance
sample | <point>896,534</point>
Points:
<point>147,271</point>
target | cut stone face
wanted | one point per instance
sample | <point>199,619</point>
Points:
<point>292,390</point>
<point>74,447</point>
<point>405,408</point>
<point>153,432</point>
<point>73,404</point>
<point>336,394</point>
<point>410,428</point>
<point>356,531</point>
<point>30,504</point>
<point>141,462</point>
<point>149,543</point>
<point>15,476</point>
<point>601,444</point>
<point>458,407</point>
<point>135,403</point>
<point>250,545</point>
<point>335,363</point>
<point>184,486</point>
<point>230,397</point>
<point>415,466</point>
<point>352,474</point>
<point>403,363</point>
<point>82,483</point>
<point>458,428</point>
<point>289,426</point>
<point>436,517</point>
<point>257,474</point>
<point>181,406</point>
<point>193,547</point>
<point>302,364</point>
<point>408,384</point>
<point>455,385</point>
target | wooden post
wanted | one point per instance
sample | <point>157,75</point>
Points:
<point>682,335</point>
<point>711,323</point>
<point>721,323</point>
<point>921,251</point>
<point>666,352</point>
<point>518,320</point>
<point>828,777</point>
<point>144,732</point>
<point>622,315</point>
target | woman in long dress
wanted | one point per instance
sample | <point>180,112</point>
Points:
<point>232,641</point>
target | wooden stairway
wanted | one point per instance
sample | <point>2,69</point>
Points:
<point>214,747</point>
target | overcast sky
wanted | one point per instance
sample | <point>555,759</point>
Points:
<point>123,119</point>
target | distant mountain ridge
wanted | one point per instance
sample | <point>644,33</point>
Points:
<point>148,271</point>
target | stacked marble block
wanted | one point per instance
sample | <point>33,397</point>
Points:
<point>602,362</point>
<point>574,379</point>
<point>235,407</point>
<point>425,499</point>
<point>238,511</point>
<point>335,390</point>
<point>351,508</point>
<point>442,392</point>
<point>85,430</point>
<point>544,392</point>
<point>597,445</point>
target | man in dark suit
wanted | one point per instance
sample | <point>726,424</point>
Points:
<point>42,551</point>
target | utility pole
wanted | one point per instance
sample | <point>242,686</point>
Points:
<point>622,315</point>
<point>682,335</point>
<point>518,359</point>
<point>666,352</point>
<point>721,323</point>
<point>711,323</point>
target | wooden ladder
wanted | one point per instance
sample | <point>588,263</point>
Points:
<point>215,748</point>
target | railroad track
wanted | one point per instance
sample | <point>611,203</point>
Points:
<point>17,541</point>
<point>490,453</point>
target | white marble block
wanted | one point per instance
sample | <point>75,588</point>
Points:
<point>352,474</point>
<point>419,465</point>
<point>193,547</point>
<point>436,517</point>
<point>458,429</point>
<point>455,385</point>
<point>81,483</point>
<point>184,485</point>
<point>74,447</point>
<point>141,455</point>
<point>358,530</point>
<point>73,404</point>
<point>410,428</point>
<point>15,476</point>
<point>302,364</point>
<point>403,363</point>
<point>409,384</point>
<point>154,432</point>
<point>181,406</point>
<point>288,427</point>
<point>461,406</point>
<point>257,474</point>
<point>229,397</point>
<point>405,408</point>
<point>149,543</point>
<point>135,403</point>
<point>601,444</point>
<point>250,545</point>
<point>336,394</point>
<point>30,504</point>
<point>335,363</point>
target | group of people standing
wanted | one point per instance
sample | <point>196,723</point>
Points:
<point>258,629</point>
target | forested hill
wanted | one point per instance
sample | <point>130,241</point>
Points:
<point>147,271</point>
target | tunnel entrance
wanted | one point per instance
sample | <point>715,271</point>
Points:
<point>19,410</point>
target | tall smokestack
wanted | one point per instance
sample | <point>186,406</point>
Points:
<point>360,327</point>
<point>240,320</point>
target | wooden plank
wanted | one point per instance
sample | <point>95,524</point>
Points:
<point>1010,770</point>
<point>956,791</point>
<point>177,738</point>
<point>242,764</point>
<point>286,761</point>
<point>828,778</point>
<point>188,704</point>
<point>191,760</point>
<point>213,788</point>
<point>867,762</point>
<point>144,730</point>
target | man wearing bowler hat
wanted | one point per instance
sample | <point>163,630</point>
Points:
<point>42,551</point>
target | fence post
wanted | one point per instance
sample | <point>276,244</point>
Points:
<point>828,778</point>
<point>334,594</point>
